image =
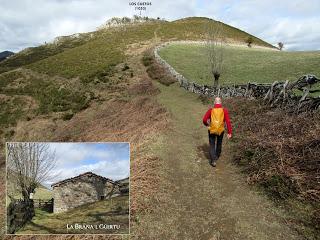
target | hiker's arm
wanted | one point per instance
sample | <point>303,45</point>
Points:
<point>227,119</point>
<point>206,117</point>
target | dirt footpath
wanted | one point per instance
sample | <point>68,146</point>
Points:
<point>202,202</point>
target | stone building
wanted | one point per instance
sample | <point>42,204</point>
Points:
<point>85,188</point>
<point>123,185</point>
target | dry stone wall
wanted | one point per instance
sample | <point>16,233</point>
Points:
<point>277,94</point>
<point>226,91</point>
<point>19,212</point>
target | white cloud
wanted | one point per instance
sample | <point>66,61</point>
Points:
<point>26,23</point>
<point>116,170</point>
<point>110,160</point>
<point>296,34</point>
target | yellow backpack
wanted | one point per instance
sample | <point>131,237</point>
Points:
<point>217,121</point>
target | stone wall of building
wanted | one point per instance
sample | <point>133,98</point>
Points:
<point>85,188</point>
<point>124,186</point>
<point>78,192</point>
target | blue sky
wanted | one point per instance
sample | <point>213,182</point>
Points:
<point>25,23</point>
<point>111,160</point>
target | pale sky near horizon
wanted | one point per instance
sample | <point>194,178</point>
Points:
<point>27,23</point>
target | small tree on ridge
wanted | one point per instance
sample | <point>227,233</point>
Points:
<point>280,45</point>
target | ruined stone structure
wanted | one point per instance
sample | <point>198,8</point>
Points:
<point>85,188</point>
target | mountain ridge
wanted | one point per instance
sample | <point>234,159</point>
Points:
<point>5,54</point>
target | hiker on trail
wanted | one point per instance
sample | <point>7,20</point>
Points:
<point>214,119</point>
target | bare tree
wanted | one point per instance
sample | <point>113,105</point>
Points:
<point>30,164</point>
<point>280,45</point>
<point>214,50</point>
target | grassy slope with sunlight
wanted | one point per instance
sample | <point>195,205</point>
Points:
<point>39,76</point>
<point>113,211</point>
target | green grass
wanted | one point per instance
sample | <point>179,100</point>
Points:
<point>94,58</point>
<point>34,54</point>
<point>10,111</point>
<point>113,211</point>
<point>84,61</point>
<point>241,64</point>
<point>49,96</point>
<point>194,28</point>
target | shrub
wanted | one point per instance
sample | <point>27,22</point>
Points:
<point>125,67</point>
<point>67,116</point>
<point>159,73</point>
<point>147,60</point>
<point>280,45</point>
<point>279,152</point>
<point>249,41</point>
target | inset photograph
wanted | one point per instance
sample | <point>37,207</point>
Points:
<point>67,188</point>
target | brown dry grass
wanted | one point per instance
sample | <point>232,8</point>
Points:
<point>290,146</point>
<point>281,153</point>
<point>155,70</point>
<point>144,87</point>
<point>137,119</point>
<point>66,237</point>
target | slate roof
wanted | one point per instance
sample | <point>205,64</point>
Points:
<point>91,174</point>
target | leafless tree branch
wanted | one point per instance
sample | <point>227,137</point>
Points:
<point>30,165</point>
<point>214,50</point>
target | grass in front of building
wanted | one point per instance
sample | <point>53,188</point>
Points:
<point>98,217</point>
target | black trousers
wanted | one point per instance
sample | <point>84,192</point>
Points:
<point>215,142</point>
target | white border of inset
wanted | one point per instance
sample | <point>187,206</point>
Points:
<point>70,234</point>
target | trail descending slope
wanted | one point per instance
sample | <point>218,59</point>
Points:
<point>204,202</point>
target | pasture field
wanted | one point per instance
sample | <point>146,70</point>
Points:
<point>242,64</point>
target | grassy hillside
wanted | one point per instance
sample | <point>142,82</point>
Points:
<point>110,212</point>
<point>242,64</point>
<point>34,54</point>
<point>26,94</point>
<point>62,78</point>
<point>194,28</point>
<point>97,52</point>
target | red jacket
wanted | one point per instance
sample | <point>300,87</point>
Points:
<point>226,117</point>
